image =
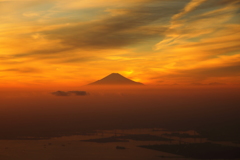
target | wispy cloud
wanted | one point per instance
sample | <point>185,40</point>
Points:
<point>174,41</point>
<point>114,31</point>
<point>178,25</point>
<point>196,25</point>
<point>22,70</point>
<point>188,8</point>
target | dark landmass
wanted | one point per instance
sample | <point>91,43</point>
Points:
<point>158,130</point>
<point>170,157</point>
<point>225,132</point>
<point>126,138</point>
<point>42,136</point>
<point>115,79</point>
<point>106,140</point>
<point>144,137</point>
<point>199,150</point>
<point>28,138</point>
<point>182,135</point>
<point>120,147</point>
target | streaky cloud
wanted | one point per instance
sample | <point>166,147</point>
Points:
<point>188,8</point>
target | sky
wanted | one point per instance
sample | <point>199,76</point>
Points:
<point>157,42</point>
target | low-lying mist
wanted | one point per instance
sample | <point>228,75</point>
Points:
<point>43,114</point>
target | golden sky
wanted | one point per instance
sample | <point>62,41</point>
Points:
<point>160,42</point>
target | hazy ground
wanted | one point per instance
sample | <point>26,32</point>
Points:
<point>31,119</point>
<point>39,113</point>
<point>73,148</point>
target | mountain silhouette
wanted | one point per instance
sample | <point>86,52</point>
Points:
<point>115,79</point>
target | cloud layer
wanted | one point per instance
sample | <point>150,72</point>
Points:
<point>77,42</point>
<point>70,93</point>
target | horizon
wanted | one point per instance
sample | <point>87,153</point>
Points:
<point>38,87</point>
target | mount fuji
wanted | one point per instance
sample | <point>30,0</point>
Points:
<point>115,79</point>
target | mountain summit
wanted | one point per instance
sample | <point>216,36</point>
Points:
<point>115,79</point>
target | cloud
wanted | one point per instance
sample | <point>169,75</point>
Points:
<point>206,73</point>
<point>224,2</point>
<point>70,93</point>
<point>221,69</point>
<point>136,25</point>
<point>197,24</point>
<point>75,39</point>
<point>211,84</point>
<point>117,31</point>
<point>43,52</point>
<point>31,14</point>
<point>114,28</point>
<point>188,8</point>
<point>217,71</point>
<point>22,70</point>
<point>74,5</point>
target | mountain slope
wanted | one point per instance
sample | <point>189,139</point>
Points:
<point>115,79</point>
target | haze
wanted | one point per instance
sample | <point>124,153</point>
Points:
<point>40,112</point>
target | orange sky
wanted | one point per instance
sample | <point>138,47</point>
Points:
<point>158,42</point>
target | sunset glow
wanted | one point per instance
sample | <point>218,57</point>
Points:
<point>119,79</point>
<point>73,43</point>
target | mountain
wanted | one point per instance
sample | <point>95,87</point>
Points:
<point>115,79</point>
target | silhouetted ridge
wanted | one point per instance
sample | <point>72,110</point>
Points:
<point>115,79</point>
